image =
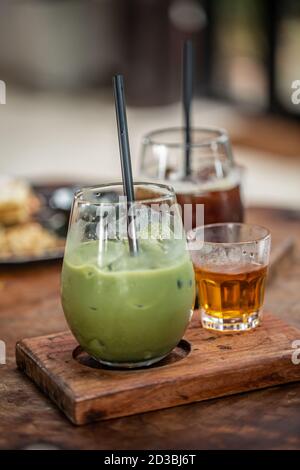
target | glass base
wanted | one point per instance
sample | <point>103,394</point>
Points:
<point>250,321</point>
<point>130,365</point>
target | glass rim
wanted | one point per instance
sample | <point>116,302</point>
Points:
<point>265,237</point>
<point>222,137</point>
<point>80,192</point>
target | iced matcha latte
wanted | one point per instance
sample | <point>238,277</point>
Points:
<point>127,310</point>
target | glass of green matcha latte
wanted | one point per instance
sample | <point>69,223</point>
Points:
<point>127,309</point>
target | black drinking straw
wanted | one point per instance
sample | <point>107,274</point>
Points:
<point>187,95</point>
<point>118,84</point>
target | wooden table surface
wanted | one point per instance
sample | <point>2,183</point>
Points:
<point>30,306</point>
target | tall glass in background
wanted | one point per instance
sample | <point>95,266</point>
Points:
<point>214,179</point>
<point>127,311</point>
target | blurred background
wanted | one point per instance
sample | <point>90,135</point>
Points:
<point>57,58</point>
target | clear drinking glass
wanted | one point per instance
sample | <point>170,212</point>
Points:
<point>230,263</point>
<point>213,180</point>
<point>127,310</point>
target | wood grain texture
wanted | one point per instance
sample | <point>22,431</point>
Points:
<point>265,133</point>
<point>217,365</point>
<point>263,419</point>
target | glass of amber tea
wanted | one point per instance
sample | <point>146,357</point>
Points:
<point>231,263</point>
<point>212,178</point>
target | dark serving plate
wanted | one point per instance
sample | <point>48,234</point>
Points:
<point>53,215</point>
<point>49,255</point>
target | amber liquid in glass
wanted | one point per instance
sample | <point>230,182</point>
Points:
<point>229,292</point>
<point>223,205</point>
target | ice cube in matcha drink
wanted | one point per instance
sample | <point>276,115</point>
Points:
<point>124,309</point>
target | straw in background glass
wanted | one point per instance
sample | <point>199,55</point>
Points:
<point>187,96</point>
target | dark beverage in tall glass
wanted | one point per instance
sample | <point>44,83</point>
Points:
<point>220,205</point>
<point>214,180</point>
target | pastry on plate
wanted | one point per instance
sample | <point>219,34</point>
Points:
<point>17,201</point>
<point>28,240</point>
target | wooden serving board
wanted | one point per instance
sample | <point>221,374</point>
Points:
<point>204,365</point>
